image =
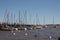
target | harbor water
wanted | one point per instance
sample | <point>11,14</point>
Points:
<point>36,34</point>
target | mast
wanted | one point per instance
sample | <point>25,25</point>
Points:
<point>4,19</point>
<point>19,16</point>
<point>14,18</point>
<point>44,20</point>
<point>30,18</point>
<point>53,19</point>
<point>25,17</point>
<point>8,18</point>
<point>11,18</point>
<point>36,19</point>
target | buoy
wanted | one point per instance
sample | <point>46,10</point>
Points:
<point>14,33</point>
<point>50,37</point>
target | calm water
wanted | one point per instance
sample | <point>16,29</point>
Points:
<point>38,34</point>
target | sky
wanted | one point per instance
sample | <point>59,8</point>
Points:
<point>38,11</point>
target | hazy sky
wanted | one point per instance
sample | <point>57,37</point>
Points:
<point>43,8</point>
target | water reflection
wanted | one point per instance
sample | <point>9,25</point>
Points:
<point>30,35</point>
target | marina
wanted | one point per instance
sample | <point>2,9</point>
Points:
<point>29,19</point>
